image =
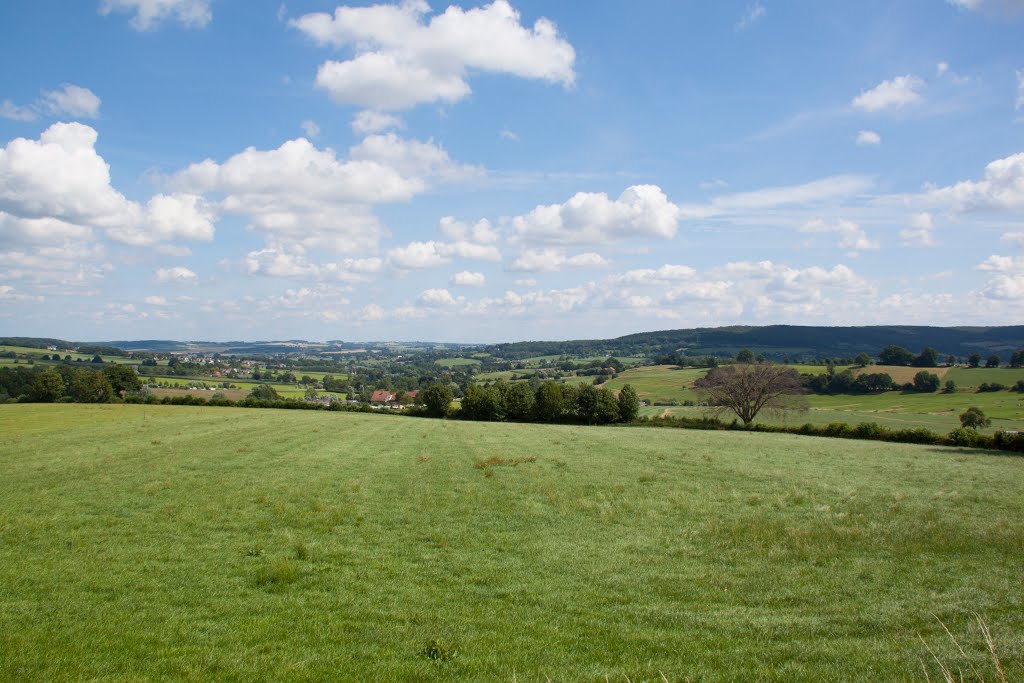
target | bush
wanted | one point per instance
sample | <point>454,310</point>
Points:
<point>962,436</point>
<point>1009,441</point>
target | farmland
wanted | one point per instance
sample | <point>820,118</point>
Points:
<point>202,543</point>
<point>938,411</point>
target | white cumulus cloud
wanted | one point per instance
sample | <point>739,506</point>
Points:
<point>431,254</point>
<point>594,218</point>
<point>851,235</point>
<point>1002,188</point>
<point>551,259</point>
<point>403,60</point>
<point>468,278</point>
<point>61,177</point>
<point>370,121</point>
<point>868,138</point>
<point>892,94</point>
<point>179,275</point>
<point>920,231</point>
<point>72,100</point>
<point>312,197</point>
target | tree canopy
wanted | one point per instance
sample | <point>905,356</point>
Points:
<point>748,388</point>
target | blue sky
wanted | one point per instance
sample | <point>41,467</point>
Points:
<point>219,169</point>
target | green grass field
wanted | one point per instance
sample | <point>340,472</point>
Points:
<point>659,383</point>
<point>457,362</point>
<point>183,543</point>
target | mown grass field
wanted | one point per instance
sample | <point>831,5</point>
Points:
<point>166,542</point>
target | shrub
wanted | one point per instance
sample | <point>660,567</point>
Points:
<point>868,430</point>
<point>961,436</point>
<point>1009,441</point>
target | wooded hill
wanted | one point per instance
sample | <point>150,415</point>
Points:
<point>781,341</point>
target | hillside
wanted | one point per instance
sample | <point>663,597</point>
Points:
<point>225,544</point>
<point>778,341</point>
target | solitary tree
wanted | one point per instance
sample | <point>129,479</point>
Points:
<point>895,355</point>
<point>122,378</point>
<point>973,418</point>
<point>629,403</point>
<point>929,358</point>
<point>992,362</point>
<point>264,392</point>
<point>89,386</point>
<point>437,399</point>
<point>747,389</point>
<point>974,360</point>
<point>862,360</point>
<point>926,381</point>
<point>47,386</point>
<point>745,356</point>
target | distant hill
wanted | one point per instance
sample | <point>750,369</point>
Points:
<point>778,341</point>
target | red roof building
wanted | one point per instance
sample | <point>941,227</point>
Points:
<point>381,396</point>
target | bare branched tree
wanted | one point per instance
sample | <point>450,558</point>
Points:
<point>748,388</point>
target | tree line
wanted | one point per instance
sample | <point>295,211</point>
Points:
<point>68,382</point>
<point>550,402</point>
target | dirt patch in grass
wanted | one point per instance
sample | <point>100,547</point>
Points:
<point>495,461</point>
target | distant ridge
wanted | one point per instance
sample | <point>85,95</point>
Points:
<point>778,341</point>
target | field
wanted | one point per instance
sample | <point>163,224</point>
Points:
<point>938,412</point>
<point>456,362</point>
<point>166,542</point>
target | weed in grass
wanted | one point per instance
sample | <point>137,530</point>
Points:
<point>301,550</point>
<point>946,668</point>
<point>254,551</point>
<point>277,573</point>
<point>437,651</point>
<point>495,461</point>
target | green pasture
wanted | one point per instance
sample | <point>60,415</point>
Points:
<point>184,543</point>
<point>973,377</point>
<point>893,409</point>
<point>494,376</point>
<point>286,390</point>
<point>36,354</point>
<point>456,362</point>
<point>659,383</point>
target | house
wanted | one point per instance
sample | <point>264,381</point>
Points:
<point>381,397</point>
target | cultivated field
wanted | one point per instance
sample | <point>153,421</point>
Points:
<point>165,542</point>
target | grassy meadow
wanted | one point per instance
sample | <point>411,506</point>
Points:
<point>939,412</point>
<point>185,543</point>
